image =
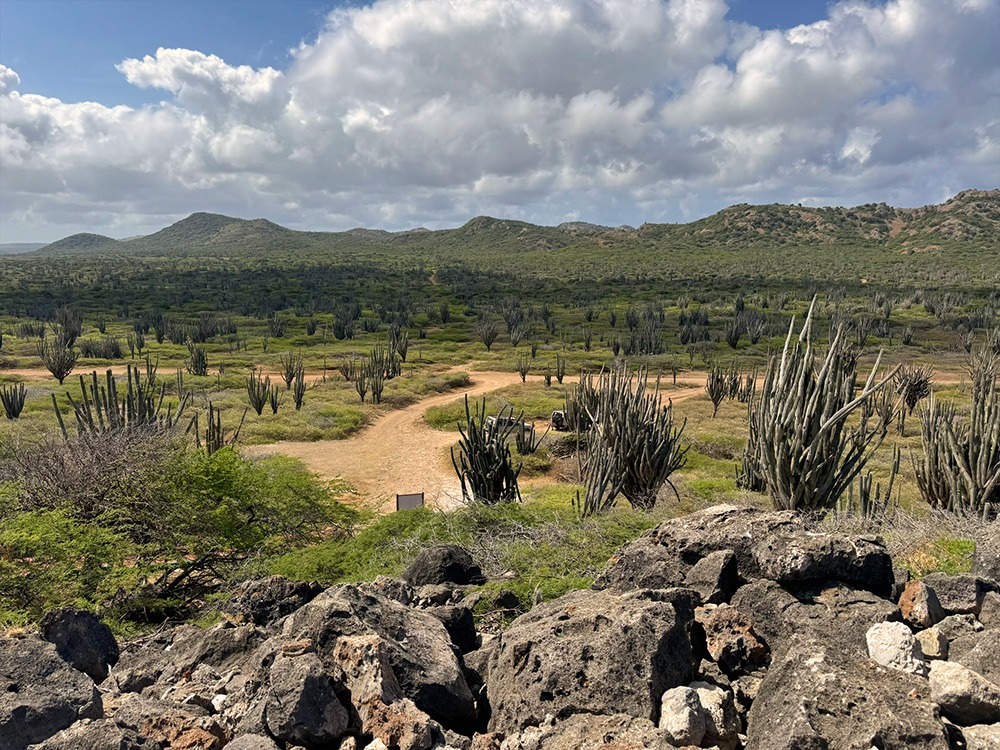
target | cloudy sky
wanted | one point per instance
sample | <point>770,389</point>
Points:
<point>121,117</point>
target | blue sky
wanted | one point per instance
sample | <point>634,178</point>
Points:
<point>404,113</point>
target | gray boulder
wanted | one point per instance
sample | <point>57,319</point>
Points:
<point>715,577</point>
<point>40,694</point>
<point>595,652</point>
<point>986,558</point>
<point>419,648</point>
<point>302,707</point>
<point>989,612</point>
<point>166,659</point>
<point>102,734</point>
<point>818,696</point>
<point>777,545</point>
<point>982,737</point>
<point>81,639</point>
<point>979,652</point>
<point>252,742</point>
<point>959,595</point>
<point>964,696</point>
<point>460,624</point>
<point>954,627</point>
<point>585,732</point>
<point>265,601</point>
<point>443,563</point>
<point>835,613</point>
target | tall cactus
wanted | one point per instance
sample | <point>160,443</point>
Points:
<point>801,445</point>
<point>484,464</point>
<point>633,445</point>
<point>960,467</point>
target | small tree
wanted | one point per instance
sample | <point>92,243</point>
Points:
<point>488,331</point>
<point>57,357</point>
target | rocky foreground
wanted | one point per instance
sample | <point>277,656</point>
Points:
<point>728,628</point>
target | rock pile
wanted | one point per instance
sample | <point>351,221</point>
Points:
<point>729,628</point>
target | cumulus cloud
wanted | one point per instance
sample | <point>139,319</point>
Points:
<point>421,112</point>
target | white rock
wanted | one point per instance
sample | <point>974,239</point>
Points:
<point>681,716</point>
<point>722,722</point>
<point>892,645</point>
<point>982,737</point>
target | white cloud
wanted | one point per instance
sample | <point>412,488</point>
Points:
<point>423,112</point>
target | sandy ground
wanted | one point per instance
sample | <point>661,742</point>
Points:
<point>401,453</point>
<point>398,453</point>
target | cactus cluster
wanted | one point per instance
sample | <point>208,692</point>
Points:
<point>801,451</point>
<point>101,409</point>
<point>484,463</point>
<point>959,470</point>
<point>633,445</point>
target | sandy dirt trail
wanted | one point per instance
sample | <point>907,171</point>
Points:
<point>401,453</point>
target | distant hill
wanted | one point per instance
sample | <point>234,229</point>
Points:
<point>972,216</point>
<point>13,248</point>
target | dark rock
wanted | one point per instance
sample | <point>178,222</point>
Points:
<point>419,647</point>
<point>40,694</point>
<point>592,651</point>
<point>169,724</point>
<point>433,595</point>
<point>776,545</point>
<point>957,626</point>
<point>102,734</point>
<point>797,556</point>
<point>443,563</point>
<point>989,613</point>
<point>817,696</point>
<point>731,640</point>
<point>461,626</point>
<point>979,652</point>
<point>834,613</point>
<point>390,588</point>
<point>986,558</point>
<point>508,602</point>
<point>222,647</point>
<point>81,639</point>
<point>265,601</point>
<point>959,595</point>
<point>900,577</point>
<point>714,577</point>
<point>302,706</point>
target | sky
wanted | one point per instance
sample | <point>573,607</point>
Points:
<point>122,116</point>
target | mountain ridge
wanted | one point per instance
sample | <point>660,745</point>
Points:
<point>969,216</point>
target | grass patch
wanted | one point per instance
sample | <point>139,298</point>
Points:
<point>535,549</point>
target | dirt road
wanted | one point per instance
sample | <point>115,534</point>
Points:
<point>401,453</point>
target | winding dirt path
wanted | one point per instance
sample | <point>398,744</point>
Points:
<point>398,453</point>
<point>401,453</point>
